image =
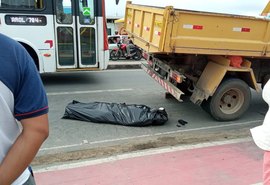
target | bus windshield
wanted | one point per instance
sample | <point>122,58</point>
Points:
<point>23,5</point>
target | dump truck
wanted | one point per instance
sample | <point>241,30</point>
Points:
<point>214,58</point>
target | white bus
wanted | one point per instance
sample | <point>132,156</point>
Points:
<point>60,35</point>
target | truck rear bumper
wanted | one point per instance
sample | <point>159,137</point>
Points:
<point>164,83</point>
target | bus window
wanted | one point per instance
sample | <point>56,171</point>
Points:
<point>63,11</point>
<point>88,47</point>
<point>65,46</point>
<point>22,4</point>
<point>86,12</point>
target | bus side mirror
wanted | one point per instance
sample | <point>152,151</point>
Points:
<point>117,2</point>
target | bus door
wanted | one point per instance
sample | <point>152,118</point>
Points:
<point>75,34</point>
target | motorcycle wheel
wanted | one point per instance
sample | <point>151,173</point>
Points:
<point>137,55</point>
<point>114,55</point>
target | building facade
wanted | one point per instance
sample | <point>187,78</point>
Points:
<point>115,9</point>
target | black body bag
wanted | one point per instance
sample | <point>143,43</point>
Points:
<point>114,113</point>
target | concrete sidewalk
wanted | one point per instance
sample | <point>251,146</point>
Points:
<point>125,64</point>
<point>237,162</point>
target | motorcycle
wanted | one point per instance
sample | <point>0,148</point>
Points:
<point>121,52</point>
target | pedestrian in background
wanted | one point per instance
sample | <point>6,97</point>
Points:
<point>23,113</point>
<point>129,46</point>
<point>261,136</point>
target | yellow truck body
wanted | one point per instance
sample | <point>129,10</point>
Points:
<point>215,58</point>
<point>169,30</point>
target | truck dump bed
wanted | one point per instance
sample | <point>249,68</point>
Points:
<point>169,30</point>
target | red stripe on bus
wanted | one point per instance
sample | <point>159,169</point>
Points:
<point>49,42</point>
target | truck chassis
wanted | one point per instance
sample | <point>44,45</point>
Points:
<point>211,82</point>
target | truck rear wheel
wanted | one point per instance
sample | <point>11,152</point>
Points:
<point>230,101</point>
<point>265,80</point>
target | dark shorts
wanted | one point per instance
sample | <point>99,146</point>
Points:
<point>30,181</point>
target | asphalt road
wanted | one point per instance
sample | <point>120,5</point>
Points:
<point>71,139</point>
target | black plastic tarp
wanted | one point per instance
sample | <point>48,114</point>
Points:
<point>115,113</point>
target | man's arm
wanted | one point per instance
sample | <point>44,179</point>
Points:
<point>34,133</point>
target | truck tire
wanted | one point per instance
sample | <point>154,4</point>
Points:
<point>186,87</point>
<point>265,80</point>
<point>230,101</point>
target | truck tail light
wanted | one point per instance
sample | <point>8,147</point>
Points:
<point>177,77</point>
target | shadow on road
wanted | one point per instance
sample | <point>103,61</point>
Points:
<point>67,78</point>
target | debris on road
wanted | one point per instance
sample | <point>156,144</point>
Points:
<point>181,123</point>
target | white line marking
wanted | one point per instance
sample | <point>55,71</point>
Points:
<point>87,92</point>
<point>138,154</point>
<point>149,135</point>
<point>117,70</point>
<point>61,147</point>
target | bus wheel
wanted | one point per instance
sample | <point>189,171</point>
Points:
<point>230,101</point>
<point>115,55</point>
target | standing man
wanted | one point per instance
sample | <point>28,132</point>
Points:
<point>261,136</point>
<point>23,113</point>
